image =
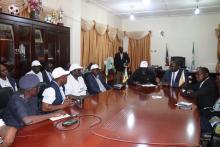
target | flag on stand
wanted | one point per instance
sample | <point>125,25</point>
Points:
<point>193,58</point>
<point>125,76</point>
<point>167,57</point>
<point>182,79</point>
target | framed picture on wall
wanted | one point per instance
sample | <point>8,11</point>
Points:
<point>38,36</point>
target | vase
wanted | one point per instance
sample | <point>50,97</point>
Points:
<point>34,15</point>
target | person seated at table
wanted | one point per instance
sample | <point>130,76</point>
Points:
<point>6,80</point>
<point>205,90</point>
<point>95,82</point>
<point>47,72</point>
<point>22,108</point>
<point>54,96</point>
<point>143,75</point>
<point>174,77</point>
<point>7,134</point>
<point>206,93</point>
<point>36,69</point>
<point>75,83</point>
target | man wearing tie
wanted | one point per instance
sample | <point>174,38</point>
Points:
<point>47,72</point>
<point>121,60</point>
<point>173,75</point>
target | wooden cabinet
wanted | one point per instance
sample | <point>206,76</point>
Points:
<point>23,40</point>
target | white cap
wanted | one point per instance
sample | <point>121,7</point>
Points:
<point>94,66</point>
<point>144,64</point>
<point>58,72</point>
<point>75,66</point>
<point>35,63</point>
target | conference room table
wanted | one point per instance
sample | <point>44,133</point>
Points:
<point>132,117</point>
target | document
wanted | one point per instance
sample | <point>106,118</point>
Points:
<point>59,117</point>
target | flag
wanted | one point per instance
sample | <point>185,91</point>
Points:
<point>125,76</point>
<point>167,57</point>
<point>193,58</point>
<point>182,79</point>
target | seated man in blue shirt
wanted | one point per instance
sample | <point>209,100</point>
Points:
<point>95,82</point>
<point>22,108</point>
<point>54,97</point>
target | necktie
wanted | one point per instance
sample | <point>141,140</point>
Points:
<point>173,79</point>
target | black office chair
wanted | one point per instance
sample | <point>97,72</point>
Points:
<point>179,60</point>
<point>5,94</point>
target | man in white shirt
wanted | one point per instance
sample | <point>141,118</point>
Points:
<point>36,69</point>
<point>6,80</point>
<point>75,83</point>
<point>54,96</point>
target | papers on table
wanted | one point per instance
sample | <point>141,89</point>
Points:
<point>184,105</point>
<point>59,117</point>
<point>157,97</point>
<point>147,85</point>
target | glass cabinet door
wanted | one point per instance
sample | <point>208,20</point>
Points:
<point>24,48</point>
<point>7,43</point>
<point>39,45</point>
<point>51,45</point>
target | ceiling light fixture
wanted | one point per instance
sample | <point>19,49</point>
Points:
<point>197,11</point>
<point>131,17</point>
<point>146,2</point>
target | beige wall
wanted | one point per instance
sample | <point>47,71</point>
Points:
<point>179,33</point>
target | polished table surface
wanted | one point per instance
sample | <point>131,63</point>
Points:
<point>133,117</point>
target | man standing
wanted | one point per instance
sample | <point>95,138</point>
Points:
<point>54,96</point>
<point>121,60</point>
<point>6,80</point>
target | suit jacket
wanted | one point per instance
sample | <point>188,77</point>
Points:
<point>119,63</point>
<point>167,77</point>
<point>207,94</point>
<point>45,77</point>
<point>146,77</point>
<point>92,85</point>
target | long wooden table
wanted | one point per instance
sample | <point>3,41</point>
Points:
<point>133,117</point>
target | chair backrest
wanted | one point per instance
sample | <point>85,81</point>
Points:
<point>5,94</point>
<point>179,60</point>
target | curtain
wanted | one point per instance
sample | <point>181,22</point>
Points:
<point>218,52</point>
<point>138,49</point>
<point>98,42</point>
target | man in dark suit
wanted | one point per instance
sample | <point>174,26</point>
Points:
<point>6,80</point>
<point>143,75</point>
<point>95,82</point>
<point>121,60</point>
<point>172,76</point>
<point>47,72</point>
<point>206,93</point>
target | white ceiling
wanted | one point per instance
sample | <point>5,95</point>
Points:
<point>124,8</point>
